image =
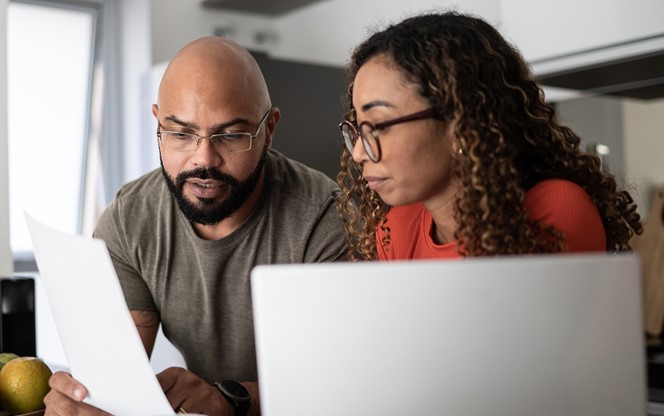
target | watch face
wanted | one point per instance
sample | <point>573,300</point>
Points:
<point>235,390</point>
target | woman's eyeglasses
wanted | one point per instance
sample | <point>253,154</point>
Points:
<point>369,132</point>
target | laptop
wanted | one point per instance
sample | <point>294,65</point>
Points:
<point>519,336</point>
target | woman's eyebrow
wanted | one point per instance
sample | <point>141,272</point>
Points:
<point>376,103</point>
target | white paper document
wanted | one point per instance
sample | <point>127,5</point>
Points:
<point>102,345</point>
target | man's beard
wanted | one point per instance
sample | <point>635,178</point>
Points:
<point>205,211</point>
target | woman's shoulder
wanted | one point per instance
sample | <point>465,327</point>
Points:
<point>555,188</point>
<point>552,196</point>
<point>567,207</point>
<point>557,194</point>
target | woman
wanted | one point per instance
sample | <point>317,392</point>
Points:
<point>452,151</point>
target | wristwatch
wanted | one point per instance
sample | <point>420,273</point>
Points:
<point>237,395</point>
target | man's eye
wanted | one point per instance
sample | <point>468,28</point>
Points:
<point>231,137</point>
<point>179,136</point>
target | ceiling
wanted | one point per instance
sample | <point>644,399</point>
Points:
<point>266,7</point>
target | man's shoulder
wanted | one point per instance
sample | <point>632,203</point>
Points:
<point>143,187</point>
<point>141,194</point>
<point>299,180</point>
<point>139,204</point>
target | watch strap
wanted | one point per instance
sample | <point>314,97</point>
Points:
<point>236,394</point>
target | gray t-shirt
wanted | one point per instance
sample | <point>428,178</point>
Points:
<point>201,288</point>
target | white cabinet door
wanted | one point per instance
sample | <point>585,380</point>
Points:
<point>544,29</point>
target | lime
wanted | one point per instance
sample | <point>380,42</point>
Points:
<point>24,384</point>
<point>5,357</point>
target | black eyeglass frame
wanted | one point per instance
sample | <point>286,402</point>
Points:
<point>348,128</point>
<point>214,137</point>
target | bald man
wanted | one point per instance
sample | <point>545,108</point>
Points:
<point>184,238</point>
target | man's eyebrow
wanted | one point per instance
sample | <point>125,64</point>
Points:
<point>376,103</point>
<point>216,127</point>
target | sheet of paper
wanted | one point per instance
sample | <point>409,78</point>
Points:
<point>102,345</point>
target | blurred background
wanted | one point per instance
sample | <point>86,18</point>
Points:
<point>77,79</point>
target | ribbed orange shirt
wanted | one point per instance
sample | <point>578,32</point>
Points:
<point>556,202</point>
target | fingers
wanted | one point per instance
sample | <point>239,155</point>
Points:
<point>185,390</point>
<point>65,398</point>
<point>66,385</point>
<point>60,405</point>
<point>169,380</point>
<point>169,377</point>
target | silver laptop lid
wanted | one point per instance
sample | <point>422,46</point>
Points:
<point>541,335</point>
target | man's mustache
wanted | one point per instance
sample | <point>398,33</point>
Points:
<point>206,173</point>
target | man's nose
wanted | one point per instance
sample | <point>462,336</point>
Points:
<point>206,154</point>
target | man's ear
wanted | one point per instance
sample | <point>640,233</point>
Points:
<point>271,125</point>
<point>155,111</point>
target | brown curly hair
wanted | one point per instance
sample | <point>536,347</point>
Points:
<point>507,135</point>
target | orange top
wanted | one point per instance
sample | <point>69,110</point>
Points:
<point>556,202</point>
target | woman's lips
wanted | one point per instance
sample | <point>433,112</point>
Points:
<point>374,182</point>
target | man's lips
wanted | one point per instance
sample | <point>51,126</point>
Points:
<point>207,189</point>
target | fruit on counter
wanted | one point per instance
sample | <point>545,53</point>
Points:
<point>5,357</point>
<point>24,384</point>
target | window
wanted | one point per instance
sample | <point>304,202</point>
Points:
<point>50,60</point>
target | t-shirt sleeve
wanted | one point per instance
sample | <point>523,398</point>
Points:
<point>110,229</point>
<point>568,208</point>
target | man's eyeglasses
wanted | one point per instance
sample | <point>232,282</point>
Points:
<point>369,132</point>
<point>234,142</point>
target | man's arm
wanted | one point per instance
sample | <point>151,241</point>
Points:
<point>147,324</point>
<point>184,390</point>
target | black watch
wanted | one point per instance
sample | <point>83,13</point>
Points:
<point>236,394</point>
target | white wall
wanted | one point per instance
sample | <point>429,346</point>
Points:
<point>644,147</point>
<point>6,263</point>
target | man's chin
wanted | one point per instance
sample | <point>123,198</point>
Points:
<point>203,204</point>
<point>206,211</point>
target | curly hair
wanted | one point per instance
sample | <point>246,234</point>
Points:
<point>507,135</point>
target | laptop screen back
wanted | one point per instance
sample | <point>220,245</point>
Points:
<point>540,335</point>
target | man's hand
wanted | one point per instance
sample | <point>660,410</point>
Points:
<point>66,397</point>
<point>188,393</point>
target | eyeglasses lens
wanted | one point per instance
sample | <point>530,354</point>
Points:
<point>350,136</point>
<point>370,141</point>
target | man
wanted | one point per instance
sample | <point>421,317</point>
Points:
<point>184,239</point>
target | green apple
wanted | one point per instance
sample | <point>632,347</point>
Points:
<point>5,357</point>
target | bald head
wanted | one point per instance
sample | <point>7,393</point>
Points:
<point>215,71</point>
